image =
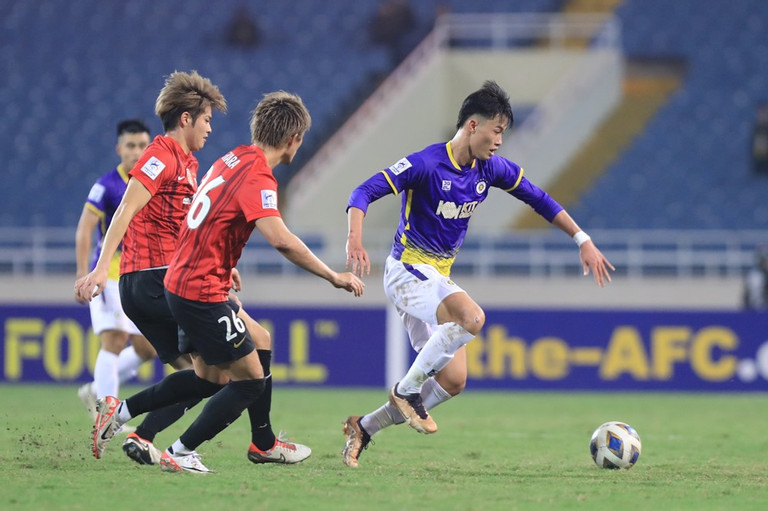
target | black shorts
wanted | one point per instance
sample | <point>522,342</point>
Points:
<point>143,299</point>
<point>213,330</point>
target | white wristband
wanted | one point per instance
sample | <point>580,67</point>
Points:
<point>580,237</point>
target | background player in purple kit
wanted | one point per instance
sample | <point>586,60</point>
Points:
<point>116,361</point>
<point>440,187</point>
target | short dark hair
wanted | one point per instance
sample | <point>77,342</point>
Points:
<point>489,101</point>
<point>131,126</point>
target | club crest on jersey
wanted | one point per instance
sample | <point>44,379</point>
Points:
<point>269,199</point>
<point>153,167</point>
<point>401,165</point>
<point>446,185</point>
<point>480,187</point>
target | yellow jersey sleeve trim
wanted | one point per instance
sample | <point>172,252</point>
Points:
<point>391,184</point>
<point>517,183</point>
<point>94,209</point>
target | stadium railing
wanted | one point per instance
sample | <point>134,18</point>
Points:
<point>635,253</point>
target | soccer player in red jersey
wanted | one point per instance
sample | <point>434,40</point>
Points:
<point>117,361</point>
<point>238,194</point>
<point>157,198</point>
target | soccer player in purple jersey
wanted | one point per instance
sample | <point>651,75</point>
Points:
<point>117,361</point>
<point>440,187</point>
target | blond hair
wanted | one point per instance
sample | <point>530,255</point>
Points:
<point>187,92</point>
<point>279,116</point>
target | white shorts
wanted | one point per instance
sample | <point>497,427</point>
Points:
<point>416,291</point>
<point>107,313</point>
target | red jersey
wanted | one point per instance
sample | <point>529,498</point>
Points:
<point>237,190</point>
<point>170,175</point>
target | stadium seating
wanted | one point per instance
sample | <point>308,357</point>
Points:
<point>691,167</point>
<point>71,70</point>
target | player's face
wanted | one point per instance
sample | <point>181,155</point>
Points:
<point>129,148</point>
<point>197,132</point>
<point>486,139</point>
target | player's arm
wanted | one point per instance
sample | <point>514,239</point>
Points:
<point>590,255</point>
<point>136,197</point>
<point>372,189</point>
<point>83,235</point>
<point>292,248</point>
<point>547,207</point>
<point>357,256</point>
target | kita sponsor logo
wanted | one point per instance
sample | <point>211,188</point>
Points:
<point>269,199</point>
<point>450,211</point>
<point>153,167</point>
<point>401,166</point>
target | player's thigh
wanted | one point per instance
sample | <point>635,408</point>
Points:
<point>143,299</point>
<point>143,347</point>
<point>211,330</point>
<point>260,335</point>
<point>417,289</point>
<point>106,313</point>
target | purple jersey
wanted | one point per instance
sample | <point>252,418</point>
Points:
<point>439,197</point>
<point>103,199</point>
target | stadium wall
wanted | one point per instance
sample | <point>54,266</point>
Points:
<point>650,334</point>
<point>571,89</point>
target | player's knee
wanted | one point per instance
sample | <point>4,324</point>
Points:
<point>473,321</point>
<point>207,388</point>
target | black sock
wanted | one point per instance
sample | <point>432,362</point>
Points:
<point>158,420</point>
<point>262,435</point>
<point>177,387</point>
<point>222,410</point>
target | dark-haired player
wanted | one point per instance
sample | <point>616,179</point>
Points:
<point>441,186</point>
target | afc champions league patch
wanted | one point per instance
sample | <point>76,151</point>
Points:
<point>480,187</point>
<point>401,165</point>
<point>153,167</point>
<point>269,199</point>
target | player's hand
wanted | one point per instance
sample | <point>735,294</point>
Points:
<point>77,298</point>
<point>357,257</point>
<point>90,286</point>
<point>593,259</point>
<point>350,282</point>
<point>235,282</point>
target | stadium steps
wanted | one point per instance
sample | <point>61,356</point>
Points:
<point>646,88</point>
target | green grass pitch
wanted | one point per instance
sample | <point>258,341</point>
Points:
<point>494,450</point>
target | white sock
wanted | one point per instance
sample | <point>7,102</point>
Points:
<point>179,448</point>
<point>123,413</point>
<point>432,394</point>
<point>437,352</point>
<point>105,374</point>
<point>128,363</point>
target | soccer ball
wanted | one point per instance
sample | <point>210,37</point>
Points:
<point>615,445</point>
